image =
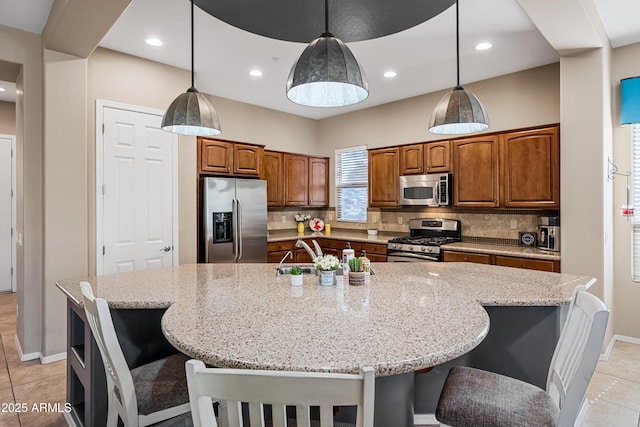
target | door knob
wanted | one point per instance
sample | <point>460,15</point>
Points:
<point>166,249</point>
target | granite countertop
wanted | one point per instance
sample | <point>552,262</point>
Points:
<point>519,251</point>
<point>408,316</point>
<point>384,236</point>
<point>339,234</point>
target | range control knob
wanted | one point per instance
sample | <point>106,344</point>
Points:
<point>423,248</point>
<point>410,248</point>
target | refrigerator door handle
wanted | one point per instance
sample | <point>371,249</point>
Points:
<point>239,226</point>
<point>234,219</point>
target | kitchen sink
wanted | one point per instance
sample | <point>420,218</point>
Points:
<point>286,269</point>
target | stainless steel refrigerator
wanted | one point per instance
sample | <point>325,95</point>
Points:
<point>234,220</point>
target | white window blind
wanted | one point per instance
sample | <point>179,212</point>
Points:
<point>352,172</point>
<point>635,179</point>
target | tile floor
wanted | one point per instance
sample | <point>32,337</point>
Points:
<point>26,382</point>
<point>614,392</point>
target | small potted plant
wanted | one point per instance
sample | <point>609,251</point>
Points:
<point>296,276</point>
<point>356,275</point>
<point>326,267</point>
<point>301,218</point>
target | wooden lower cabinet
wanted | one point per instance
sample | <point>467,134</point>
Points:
<point>452,256</point>
<point>277,250</point>
<point>505,261</point>
<point>376,252</point>
<point>528,263</point>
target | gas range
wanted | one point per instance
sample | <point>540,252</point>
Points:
<point>424,240</point>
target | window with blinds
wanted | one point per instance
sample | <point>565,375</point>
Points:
<point>635,179</point>
<point>352,177</point>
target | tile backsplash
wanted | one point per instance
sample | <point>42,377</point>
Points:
<point>481,223</point>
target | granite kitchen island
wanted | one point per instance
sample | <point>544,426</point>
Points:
<point>409,317</point>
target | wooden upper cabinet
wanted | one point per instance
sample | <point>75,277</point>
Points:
<point>475,171</point>
<point>411,159</point>
<point>272,167</point>
<point>531,168</point>
<point>216,156</point>
<point>296,179</point>
<point>318,181</point>
<point>437,157</point>
<point>383,177</point>
<point>246,159</point>
<point>229,158</point>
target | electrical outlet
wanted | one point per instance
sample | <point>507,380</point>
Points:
<point>329,216</point>
<point>514,223</point>
<point>400,220</point>
<point>283,218</point>
<point>374,218</point>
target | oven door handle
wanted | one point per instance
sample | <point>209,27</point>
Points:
<point>418,257</point>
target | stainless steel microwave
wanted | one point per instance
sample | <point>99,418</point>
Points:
<point>426,190</point>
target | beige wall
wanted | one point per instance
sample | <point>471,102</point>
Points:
<point>65,188</point>
<point>586,142</point>
<point>526,98</point>
<point>127,79</point>
<point>7,118</point>
<point>24,48</point>
<point>626,63</point>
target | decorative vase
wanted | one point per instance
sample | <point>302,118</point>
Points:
<point>296,279</point>
<point>301,228</point>
<point>327,278</point>
<point>357,278</point>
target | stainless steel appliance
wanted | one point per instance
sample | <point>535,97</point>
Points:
<point>424,240</point>
<point>234,222</point>
<point>549,238</point>
<point>425,190</point>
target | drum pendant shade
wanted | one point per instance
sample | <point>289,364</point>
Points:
<point>191,113</point>
<point>459,111</point>
<point>327,74</point>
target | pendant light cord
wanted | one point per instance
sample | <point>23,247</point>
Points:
<point>192,72</point>
<point>326,16</point>
<point>457,46</point>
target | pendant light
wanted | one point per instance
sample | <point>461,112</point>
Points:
<point>327,74</point>
<point>191,113</point>
<point>459,111</point>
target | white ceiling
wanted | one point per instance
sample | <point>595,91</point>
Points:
<point>423,56</point>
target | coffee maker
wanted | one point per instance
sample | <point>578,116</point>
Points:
<point>549,233</point>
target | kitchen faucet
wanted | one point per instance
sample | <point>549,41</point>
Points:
<point>302,244</point>
<point>288,254</point>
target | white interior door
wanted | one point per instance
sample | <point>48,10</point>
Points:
<point>6,212</point>
<point>137,192</point>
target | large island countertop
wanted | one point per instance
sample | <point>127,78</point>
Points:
<point>409,316</point>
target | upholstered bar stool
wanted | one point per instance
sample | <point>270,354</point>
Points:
<point>142,396</point>
<point>472,397</point>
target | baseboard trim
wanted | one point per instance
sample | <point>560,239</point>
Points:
<point>28,356</point>
<point>53,358</point>
<point>419,419</point>
<point>617,337</point>
<point>582,413</point>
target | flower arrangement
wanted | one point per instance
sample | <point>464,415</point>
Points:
<point>302,217</point>
<point>326,263</point>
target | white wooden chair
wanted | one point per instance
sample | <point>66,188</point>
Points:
<point>142,396</point>
<point>278,389</point>
<point>475,397</point>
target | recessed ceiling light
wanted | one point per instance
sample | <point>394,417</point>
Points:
<point>255,73</point>
<point>483,46</point>
<point>390,74</point>
<point>154,42</point>
<point>2,89</point>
